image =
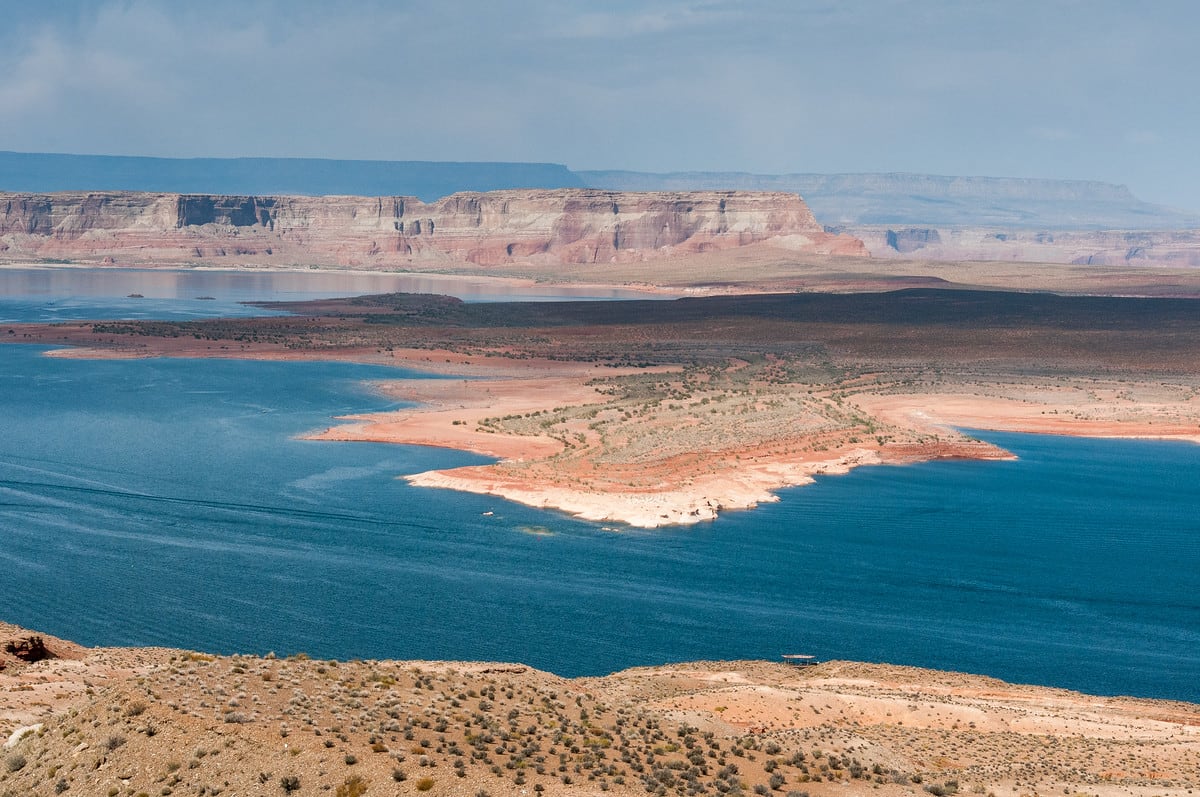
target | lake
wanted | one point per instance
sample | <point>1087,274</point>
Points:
<point>168,502</point>
<point>63,294</point>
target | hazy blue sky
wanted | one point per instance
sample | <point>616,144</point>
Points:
<point>1090,89</point>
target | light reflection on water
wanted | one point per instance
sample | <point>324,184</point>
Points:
<point>249,285</point>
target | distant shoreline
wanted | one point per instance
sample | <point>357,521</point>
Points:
<point>569,288</point>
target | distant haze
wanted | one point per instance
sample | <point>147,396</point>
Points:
<point>1099,90</point>
<point>42,172</point>
<point>929,199</point>
<point>836,199</point>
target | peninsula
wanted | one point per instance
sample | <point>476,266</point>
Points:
<point>655,413</point>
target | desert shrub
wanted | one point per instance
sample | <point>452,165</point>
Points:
<point>353,787</point>
<point>15,762</point>
<point>424,784</point>
<point>290,783</point>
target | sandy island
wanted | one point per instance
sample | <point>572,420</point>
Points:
<point>564,462</point>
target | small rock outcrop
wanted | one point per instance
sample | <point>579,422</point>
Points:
<point>912,239</point>
<point>29,649</point>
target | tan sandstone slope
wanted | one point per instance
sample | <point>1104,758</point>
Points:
<point>152,721</point>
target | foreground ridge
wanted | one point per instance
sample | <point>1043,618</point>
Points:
<point>113,721</point>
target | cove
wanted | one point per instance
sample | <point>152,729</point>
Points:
<point>169,502</point>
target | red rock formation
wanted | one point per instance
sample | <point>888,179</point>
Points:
<point>30,649</point>
<point>576,226</point>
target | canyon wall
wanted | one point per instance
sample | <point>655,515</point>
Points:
<point>1164,248</point>
<point>930,217</point>
<point>927,200</point>
<point>566,226</point>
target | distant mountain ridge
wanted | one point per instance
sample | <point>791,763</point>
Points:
<point>850,201</point>
<point>427,180</point>
<point>927,200</point>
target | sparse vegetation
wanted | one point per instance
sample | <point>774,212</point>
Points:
<point>352,787</point>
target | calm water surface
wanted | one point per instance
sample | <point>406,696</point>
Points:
<point>169,502</point>
<point>63,294</point>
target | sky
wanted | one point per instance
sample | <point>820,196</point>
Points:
<point>1079,89</point>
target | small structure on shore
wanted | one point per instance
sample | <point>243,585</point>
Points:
<point>800,659</point>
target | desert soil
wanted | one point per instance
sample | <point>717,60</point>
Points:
<point>153,721</point>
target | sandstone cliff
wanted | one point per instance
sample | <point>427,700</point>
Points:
<point>1164,248</point>
<point>927,200</point>
<point>566,226</point>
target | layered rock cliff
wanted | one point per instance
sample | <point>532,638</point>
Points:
<point>1162,248</point>
<point>927,200</point>
<point>569,226</point>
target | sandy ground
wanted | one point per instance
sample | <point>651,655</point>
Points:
<point>449,412</point>
<point>111,721</point>
<point>1061,414</point>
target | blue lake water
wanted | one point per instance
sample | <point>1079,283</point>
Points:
<point>64,294</point>
<point>169,502</point>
